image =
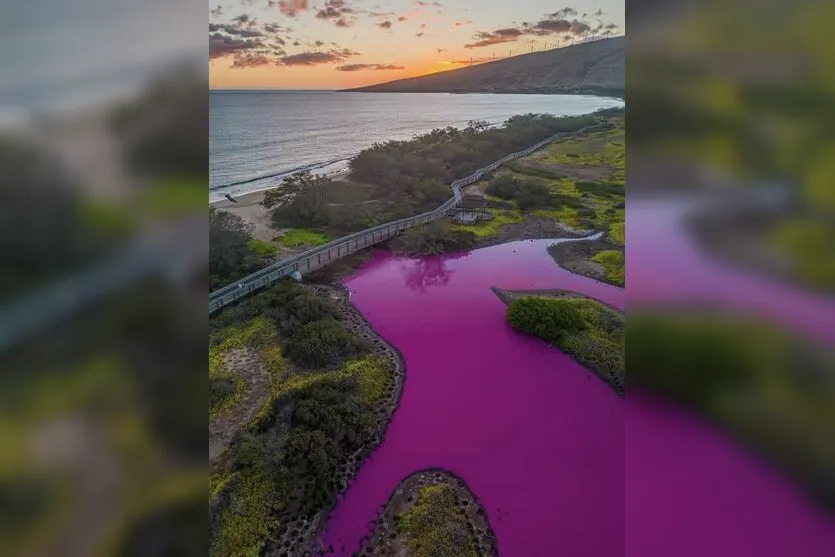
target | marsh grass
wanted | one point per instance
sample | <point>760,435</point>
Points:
<point>613,262</point>
<point>434,527</point>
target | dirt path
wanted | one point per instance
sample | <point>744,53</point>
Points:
<point>245,363</point>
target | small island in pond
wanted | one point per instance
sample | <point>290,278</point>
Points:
<point>589,331</point>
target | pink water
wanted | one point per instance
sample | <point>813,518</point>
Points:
<point>691,491</point>
<point>540,441</point>
<point>537,437</point>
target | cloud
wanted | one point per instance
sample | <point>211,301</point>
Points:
<point>241,19</point>
<point>250,60</point>
<point>423,26</point>
<point>316,58</point>
<point>224,45</point>
<point>290,8</point>
<point>550,24</point>
<point>338,11</point>
<point>402,18</point>
<point>375,67</point>
<point>499,36</point>
<point>562,14</point>
<point>317,44</point>
<point>425,4</point>
<point>234,30</point>
<point>461,23</point>
<point>217,12</point>
<point>275,28</point>
<point>441,50</point>
<point>384,24</point>
<point>419,35</point>
<point>599,12</point>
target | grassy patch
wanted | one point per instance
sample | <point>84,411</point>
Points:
<point>617,233</point>
<point>295,237</point>
<point>434,527</point>
<point>490,228</point>
<point>586,329</point>
<point>262,248</point>
<point>613,262</point>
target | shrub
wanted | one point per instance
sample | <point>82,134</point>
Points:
<point>586,329</point>
<point>320,344</point>
<point>433,526</point>
<point>504,186</point>
<point>435,237</point>
<point>549,319</point>
<point>221,389</point>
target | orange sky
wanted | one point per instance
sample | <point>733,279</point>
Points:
<point>308,44</point>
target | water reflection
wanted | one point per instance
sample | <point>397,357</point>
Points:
<point>428,272</point>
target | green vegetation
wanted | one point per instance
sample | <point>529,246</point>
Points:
<point>262,248</point>
<point>231,256</point>
<point>436,237</point>
<point>617,233</point>
<point>286,466</point>
<point>433,527</point>
<point>577,181</point>
<point>404,178</point>
<point>490,228</point>
<point>321,343</point>
<point>769,388</point>
<point>584,328</point>
<point>613,262</point>
<point>225,389</point>
<point>295,237</point>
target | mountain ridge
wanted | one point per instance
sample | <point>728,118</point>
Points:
<point>595,67</point>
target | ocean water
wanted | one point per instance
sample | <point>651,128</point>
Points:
<point>256,138</point>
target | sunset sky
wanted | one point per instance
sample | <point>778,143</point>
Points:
<point>332,44</point>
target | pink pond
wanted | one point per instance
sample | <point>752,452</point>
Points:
<point>690,490</point>
<point>537,437</point>
<point>560,463</point>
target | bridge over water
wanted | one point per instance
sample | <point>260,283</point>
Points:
<point>320,256</point>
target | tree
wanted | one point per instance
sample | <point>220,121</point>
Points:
<point>307,201</point>
<point>272,198</point>
<point>230,257</point>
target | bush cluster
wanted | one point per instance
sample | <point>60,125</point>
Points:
<point>586,329</point>
<point>433,238</point>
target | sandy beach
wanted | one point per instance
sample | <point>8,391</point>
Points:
<point>250,209</point>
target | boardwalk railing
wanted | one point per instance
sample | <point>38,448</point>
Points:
<point>322,255</point>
